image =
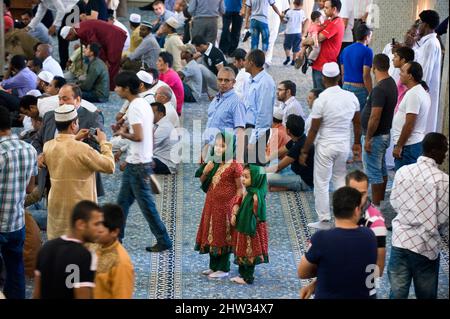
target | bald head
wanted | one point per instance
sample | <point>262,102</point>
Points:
<point>43,51</point>
<point>163,94</point>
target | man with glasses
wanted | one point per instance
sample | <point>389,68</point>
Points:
<point>289,104</point>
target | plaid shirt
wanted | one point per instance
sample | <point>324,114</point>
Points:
<point>18,162</point>
<point>420,197</point>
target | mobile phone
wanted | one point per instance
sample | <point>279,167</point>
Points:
<point>92,131</point>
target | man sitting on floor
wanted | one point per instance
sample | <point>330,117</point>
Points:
<point>95,85</point>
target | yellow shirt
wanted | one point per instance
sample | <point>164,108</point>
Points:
<point>135,40</point>
<point>173,45</point>
<point>115,274</point>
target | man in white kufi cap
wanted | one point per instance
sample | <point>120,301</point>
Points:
<point>332,116</point>
<point>72,165</point>
<point>44,79</point>
<point>135,38</point>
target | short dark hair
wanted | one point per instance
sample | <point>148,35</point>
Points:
<point>430,17</point>
<point>298,2</point>
<point>336,4</point>
<point>28,13</point>
<point>134,24</point>
<point>345,200</point>
<point>316,92</point>
<point>26,101</point>
<point>198,40</point>
<point>18,62</point>
<point>433,141</point>
<point>95,48</point>
<point>59,81</point>
<point>113,217</point>
<point>289,85</point>
<point>362,31</point>
<point>356,175</point>
<point>5,119</point>
<point>315,15</point>
<point>167,58</point>
<point>416,71</point>
<point>381,62</point>
<point>62,126</point>
<point>37,62</point>
<point>231,67</point>
<point>239,54</point>
<point>296,125</point>
<point>157,2</point>
<point>128,79</point>
<point>76,90</point>
<point>406,54</point>
<point>159,107</point>
<point>258,58</point>
<point>83,210</point>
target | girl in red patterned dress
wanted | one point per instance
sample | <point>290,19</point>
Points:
<point>250,239</point>
<point>221,180</point>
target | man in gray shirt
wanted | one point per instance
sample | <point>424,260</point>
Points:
<point>191,75</point>
<point>205,14</point>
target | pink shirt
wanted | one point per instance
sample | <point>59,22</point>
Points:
<point>402,89</point>
<point>315,29</point>
<point>173,80</point>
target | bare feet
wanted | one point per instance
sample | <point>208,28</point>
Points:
<point>278,189</point>
<point>238,280</point>
<point>207,272</point>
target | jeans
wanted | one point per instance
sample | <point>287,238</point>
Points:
<point>230,39</point>
<point>259,28</point>
<point>291,181</point>
<point>317,80</point>
<point>11,250</point>
<point>410,154</point>
<point>404,266</point>
<point>360,92</point>
<point>136,185</point>
<point>374,162</point>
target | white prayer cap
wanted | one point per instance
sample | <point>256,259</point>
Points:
<point>45,76</point>
<point>65,113</point>
<point>145,77</point>
<point>135,18</point>
<point>278,113</point>
<point>35,93</point>
<point>65,31</point>
<point>331,70</point>
<point>173,22</point>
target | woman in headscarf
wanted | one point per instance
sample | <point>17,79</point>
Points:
<point>250,239</point>
<point>221,181</point>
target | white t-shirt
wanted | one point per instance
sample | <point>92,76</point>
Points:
<point>347,12</point>
<point>140,112</point>
<point>295,19</point>
<point>172,115</point>
<point>336,107</point>
<point>416,101</point>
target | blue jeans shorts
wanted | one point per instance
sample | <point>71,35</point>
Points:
<point>375,162</point>
<point>292,42</point>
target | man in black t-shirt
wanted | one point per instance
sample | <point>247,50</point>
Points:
<point>301,177</point>
<point>376,121</point>
<point>65,269</point>
<point>213,61</point>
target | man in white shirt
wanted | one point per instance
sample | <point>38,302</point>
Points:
<point>410,122</point>
<point>136,177</point>
<point>420,196</point>
<point>332,115</point>
<point>158,83</point>
<point>286,92</point>
<point>274,27</point>
<point>348,16</point>
<point>44,52</point>
<point>112,20</point>
<point>429,55</point>
<point>164,96</point>
<point>243,77</point>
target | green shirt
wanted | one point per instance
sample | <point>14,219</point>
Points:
<point>97,79</point>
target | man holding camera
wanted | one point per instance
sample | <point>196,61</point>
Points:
<point>72,165</point>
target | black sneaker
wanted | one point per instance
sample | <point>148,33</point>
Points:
<point>305,66</point>
<point>293,62</point>
<point>157,248</point>
<point>288,59</point>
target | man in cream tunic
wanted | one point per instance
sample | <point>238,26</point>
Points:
<point>72,165</point>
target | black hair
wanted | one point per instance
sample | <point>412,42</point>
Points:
<point>430,17</point>
<point>239,54</point>
<point>59,81</point>
<point>36,45</point>
<point>134,24</point>
<point>5,119</point>
<point>18,62</point>
<point>113,217</point>
<point>95,48</point>
<point>83,210</point>
<point>26,101</point>
<point>167,58</point>
<point>298,2</point>
<point>62,126</point>
<point>128,79</point>
<point>416,71</point>
<point>315,15</point>
<point>37,62</point>
<point>76,90</point>
<point>406,54</point>
<point>316,92</point>
<point>28,12</point>
<point>289,85</point>
<point>231,67</point>
<point>434,141</point>
<point>159,107</point>
<point>7,3</point>
<point>198,40</point>
<point>336,4</point>
<point>296,125</point>
<point>275,120</point>
<point>345,200</point>
<point>154,72</point>
<point>258,58</point>
<point>362,31</point>
<point>356,175</point>
<point>381,62</point>
<point>157,2</point>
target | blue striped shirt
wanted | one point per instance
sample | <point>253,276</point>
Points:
<point>226,111</point>
<point>18,162</point>
<point>259,102</point>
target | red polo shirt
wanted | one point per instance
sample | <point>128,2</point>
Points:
<point>330,48</point>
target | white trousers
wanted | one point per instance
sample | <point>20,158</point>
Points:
<point>329,165</point>
<point>274,28</point>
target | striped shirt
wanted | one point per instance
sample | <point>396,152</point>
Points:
<point>18,162</point>
<point>374,220</point>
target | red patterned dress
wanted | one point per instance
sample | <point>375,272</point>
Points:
<point>214,233</point>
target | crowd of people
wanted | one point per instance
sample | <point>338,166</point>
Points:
<point>382,108</point>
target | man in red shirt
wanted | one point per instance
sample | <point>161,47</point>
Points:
<point>330,39</point>
<point>170,77</point>
<point>110,37</point>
